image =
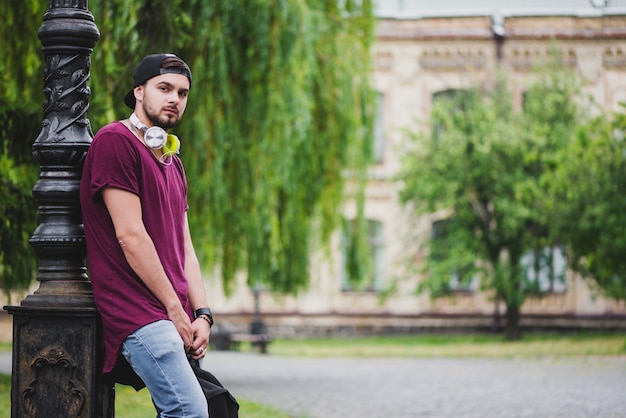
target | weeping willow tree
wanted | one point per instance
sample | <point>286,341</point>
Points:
<point>280,111</point>
<point>20,122</point>
<point>287,109</point>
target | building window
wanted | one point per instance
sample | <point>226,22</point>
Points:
<point>459,101</point>
<point>378,151</point>
<point>544,270</point>
<point>375,246</point>
<point>461,279</point>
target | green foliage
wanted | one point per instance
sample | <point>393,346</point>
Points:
<point>21,65</point>
<point>280,109</point>
<point>590,196</point>
<point>17,206</point>
<point>114,58</point>
<point>358,254</point>
<point>483,168</point>
<point>285,109</point>
<point>20,120</point>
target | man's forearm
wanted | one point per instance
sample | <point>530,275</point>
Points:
<point>144,260</point>
<point>197,292</point>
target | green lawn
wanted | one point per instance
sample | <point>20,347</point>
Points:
<point>467,346</point>
<point>5,395</point>
<point>131,404</point>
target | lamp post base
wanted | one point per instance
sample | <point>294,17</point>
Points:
<point>55,368</point>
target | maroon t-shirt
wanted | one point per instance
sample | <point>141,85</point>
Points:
<point>118,159</point>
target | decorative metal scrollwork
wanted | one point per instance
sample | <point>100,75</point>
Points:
<point>55,386</point>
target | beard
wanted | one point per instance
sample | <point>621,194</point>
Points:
<point>162,122</point>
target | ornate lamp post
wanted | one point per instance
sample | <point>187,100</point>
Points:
<point>56,337</point>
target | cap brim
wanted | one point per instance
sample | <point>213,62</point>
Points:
<point>129,100</point>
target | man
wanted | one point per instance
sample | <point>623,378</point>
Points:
<point>145,275</point>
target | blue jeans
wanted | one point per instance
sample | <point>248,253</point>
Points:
<point>157,354</point>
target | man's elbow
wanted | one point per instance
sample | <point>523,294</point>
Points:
<point>127,238</point>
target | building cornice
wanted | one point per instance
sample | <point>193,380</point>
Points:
<point>523,28</point>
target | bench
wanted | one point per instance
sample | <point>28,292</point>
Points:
<point>228,341</point>
<point>260,341</point>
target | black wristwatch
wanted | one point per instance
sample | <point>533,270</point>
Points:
<point>204,313</point>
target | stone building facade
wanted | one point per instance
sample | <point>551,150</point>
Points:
<point>423,48</point>
<point>418,53</point>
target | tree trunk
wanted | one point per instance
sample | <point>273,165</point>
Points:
<point>512,331</point>
<point>496,326</point>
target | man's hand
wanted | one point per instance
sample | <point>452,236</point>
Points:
<point>201,331</point>
<point>181,321</point>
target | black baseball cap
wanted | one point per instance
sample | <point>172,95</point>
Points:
<point>150,67</point>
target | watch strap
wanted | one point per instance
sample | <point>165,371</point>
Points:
<point>206,312</point>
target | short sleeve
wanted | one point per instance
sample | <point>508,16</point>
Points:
<point>114,164</point>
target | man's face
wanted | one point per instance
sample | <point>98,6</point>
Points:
<point>163,99</point>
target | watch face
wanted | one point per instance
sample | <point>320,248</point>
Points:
<point>204,311</point>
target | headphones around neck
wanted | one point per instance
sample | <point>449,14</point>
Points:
<point>156,137</point>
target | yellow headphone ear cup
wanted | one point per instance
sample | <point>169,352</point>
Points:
<point>172,145</point>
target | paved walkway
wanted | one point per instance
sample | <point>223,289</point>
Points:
<point>437,388</point>
<point>441,388</point>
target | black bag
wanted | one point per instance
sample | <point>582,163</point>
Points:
<point>221,403</point>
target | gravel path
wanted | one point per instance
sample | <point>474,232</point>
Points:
<point>408,388</point>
